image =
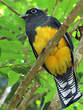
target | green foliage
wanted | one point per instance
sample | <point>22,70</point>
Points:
<point>13,64</point>
<point>80,67</point>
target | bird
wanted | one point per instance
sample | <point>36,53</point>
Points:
<point>40,29</point>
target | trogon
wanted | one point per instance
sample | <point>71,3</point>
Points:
<point>40,28</point>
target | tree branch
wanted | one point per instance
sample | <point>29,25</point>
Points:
<point>55,104</point>
<point>76,25</point>
<point>54,8</point>
<point>42,57</point>
<point>79,54</point>
<point>34,87</point>
<point>32,100</point>
<point>14,11</point>
<point>25,50</point>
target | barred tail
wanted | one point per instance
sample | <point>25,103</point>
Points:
<point>68,88</point>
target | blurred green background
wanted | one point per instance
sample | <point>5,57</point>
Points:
<point>14,44</point>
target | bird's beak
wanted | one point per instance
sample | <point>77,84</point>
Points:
<point>24,16</point>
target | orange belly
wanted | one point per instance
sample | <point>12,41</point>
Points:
<point>60,58</point>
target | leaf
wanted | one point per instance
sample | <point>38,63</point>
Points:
<point>80,68</point>
<point>13,77</point>
<point>11,50</point>
<point>49,97</point>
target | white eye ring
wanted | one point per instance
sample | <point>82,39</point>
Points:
<point>34,11</point>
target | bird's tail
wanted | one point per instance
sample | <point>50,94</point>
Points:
<point>68,88</point>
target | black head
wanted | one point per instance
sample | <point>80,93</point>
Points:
<point>33,18</point>
<point>34,12</point>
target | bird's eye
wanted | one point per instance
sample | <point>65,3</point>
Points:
<point>34,11</point>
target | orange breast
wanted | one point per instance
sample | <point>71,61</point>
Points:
<point>60,57</point>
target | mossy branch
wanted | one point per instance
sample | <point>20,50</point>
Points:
<point>28,95</point>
